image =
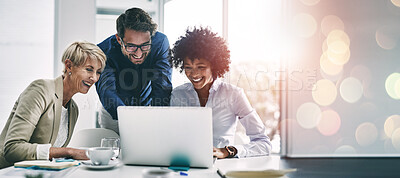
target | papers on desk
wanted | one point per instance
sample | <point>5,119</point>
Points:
<point>264,173</point>
<point>45,165</point>
<point>265,166</point>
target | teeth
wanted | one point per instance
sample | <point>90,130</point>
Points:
<point>135,57</point>
<point>196,80</point>
<point>88,84</point>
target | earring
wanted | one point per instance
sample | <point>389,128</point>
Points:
<point>69,73</point>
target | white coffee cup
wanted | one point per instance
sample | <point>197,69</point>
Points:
<point>99,155</point>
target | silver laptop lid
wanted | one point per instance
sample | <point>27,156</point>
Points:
<point>162,136</point>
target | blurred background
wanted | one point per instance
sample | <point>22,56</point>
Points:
<point>324,75</point>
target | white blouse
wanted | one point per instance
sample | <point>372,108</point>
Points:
<point>229,104</point>
<point>43,150</point>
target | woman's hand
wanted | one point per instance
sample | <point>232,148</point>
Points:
<point>77,154</point>
<point>220,153</point>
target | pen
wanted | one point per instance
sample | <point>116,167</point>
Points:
<point>63,160</point>
<point>183,173</point>
<point>220,174</point>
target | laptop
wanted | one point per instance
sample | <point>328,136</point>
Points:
<point>166,136</point>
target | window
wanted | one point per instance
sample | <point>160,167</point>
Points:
<point>344,99</point>
<point>26,48</point>
<point>252,30</point>
<point>178,17</point>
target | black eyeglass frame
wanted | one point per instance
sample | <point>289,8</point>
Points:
<point>147,44</point>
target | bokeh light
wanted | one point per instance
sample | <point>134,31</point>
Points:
<point>304,25</point>
<point>338,47</point>
<point>324,92</point>
<point>396,2</point>
<point>392,123</point>
<point>308,115</point>
<point>366,134</point>
<point>396,139</point>
<point>329,123</point>
<point>391,85</point>
<point>330,23</point>
<point>328,67</point>
<point>338,35</point>
<point>397,88</point>
<point>386,37</point>
<point>310,2</point>
<point>341,57</point>
<point>351,89</point>
<point>363,74</point>
<point>345,149</point>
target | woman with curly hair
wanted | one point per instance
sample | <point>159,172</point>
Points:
<point>205,57</point>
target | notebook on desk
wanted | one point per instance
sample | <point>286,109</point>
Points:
<point>45,164</point>
<point>166,136</point>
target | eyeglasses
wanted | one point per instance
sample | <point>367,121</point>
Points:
<point>131,48</point>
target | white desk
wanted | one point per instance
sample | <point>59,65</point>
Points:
<point>255,163</point>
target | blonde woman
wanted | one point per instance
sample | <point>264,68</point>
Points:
<point>42,120</point>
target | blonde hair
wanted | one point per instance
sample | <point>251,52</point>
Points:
<point>78,52</point>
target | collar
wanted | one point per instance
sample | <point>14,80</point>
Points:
<point>59,87</point>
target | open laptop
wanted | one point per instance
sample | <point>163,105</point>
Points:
<point>166,136</point>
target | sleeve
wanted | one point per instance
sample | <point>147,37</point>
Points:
<point>161,84</point>
<point>107,91</point>
<point>31,105</point>
<point>259,144</point>
<point>43,151</point>
<point>173,101</point>
<point>177,99</point>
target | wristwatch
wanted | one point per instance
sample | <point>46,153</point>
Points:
<point>231,151</point>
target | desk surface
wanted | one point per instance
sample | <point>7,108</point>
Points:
<point>306,167</point>
<point>255,163</point>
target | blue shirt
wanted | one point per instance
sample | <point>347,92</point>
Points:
<point>123,83</point>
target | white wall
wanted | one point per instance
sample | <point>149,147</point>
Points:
<point>26,48</point>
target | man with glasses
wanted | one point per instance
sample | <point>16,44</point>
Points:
<point>137,72</point>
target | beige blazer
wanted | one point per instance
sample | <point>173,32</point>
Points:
<point>35,119</point>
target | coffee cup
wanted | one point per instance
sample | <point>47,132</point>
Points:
<point>99,155</point>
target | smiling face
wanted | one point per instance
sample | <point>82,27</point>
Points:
<point>134,38</point>
<point>84,76</point>
<point>199,72</point>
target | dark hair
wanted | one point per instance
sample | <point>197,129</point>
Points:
<point>201,43</point>
<point>135,19</point>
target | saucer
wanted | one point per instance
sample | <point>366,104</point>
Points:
<point>90,165</point>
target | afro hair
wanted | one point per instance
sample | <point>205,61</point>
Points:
<point>201,43</point>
